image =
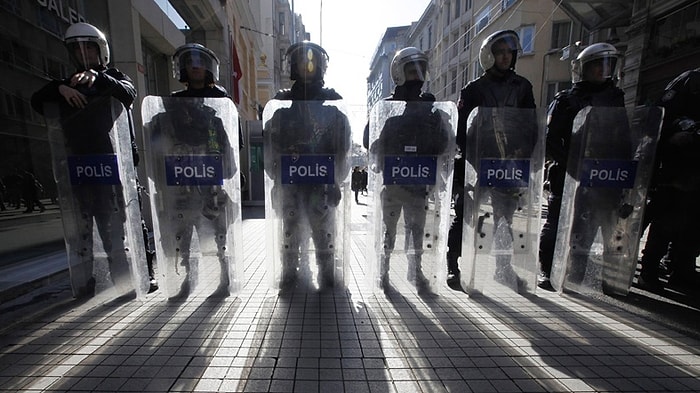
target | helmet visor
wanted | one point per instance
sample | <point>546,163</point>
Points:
<point>506,43</point>
<point>84,53</point>
<point>308,63</point>
<point>599,69</point>
<point>416,70</point>
<point>194,65</point>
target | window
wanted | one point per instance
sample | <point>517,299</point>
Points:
<point>467,5</point>
<point>458,7</point>
<point>561,31</point>
<point>455,45</point>
<point>54,68</point>
<point>506,3</point>
<point>554,87</point>
<point>477,70</point>
<point>467,37</point>
<point>430,36</point>
<point>527,38</point>
<point>281,24</point>
<point>482,20</point>
<point>420,43</point>
<point>447,15</point>
<point>465,76</point>
<point>453,82</point>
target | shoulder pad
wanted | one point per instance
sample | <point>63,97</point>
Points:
<point>284,94</point>
<point>331,94</point>
<point>425,96</point>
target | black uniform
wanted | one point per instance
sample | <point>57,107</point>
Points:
<point>211,90</point>
<point>309,204</point>
<point>489,90</point>
<point>674,211</point>
<point>561,114</point>
<point>87,131</point>
<point>190,128</point>
<point>419,131</point>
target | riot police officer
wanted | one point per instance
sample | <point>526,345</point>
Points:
<point>673,212</point>
<point>87,121</point>
<point>308,128</point>
<point>197,67</point>
<point>594,78</point>
<point>409,83</point>
<point>498,86</point>
<point>418,131</point>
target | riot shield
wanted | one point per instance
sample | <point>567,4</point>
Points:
<point>611,158</point>
<point>96,181</point>
<point>192,150</point>
<point>307,193</point>
<point>502,199</point>
<point>411,157</point>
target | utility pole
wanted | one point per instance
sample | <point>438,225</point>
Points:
<point>320,23</point>
<point>294,25</point>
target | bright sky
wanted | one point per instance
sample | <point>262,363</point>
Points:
<point>350,33</point>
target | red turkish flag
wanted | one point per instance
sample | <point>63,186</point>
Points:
<point>236,74</point>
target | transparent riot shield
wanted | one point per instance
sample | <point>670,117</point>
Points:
<point>611,158</point>
<point>502,200</point>
<point>96,182</point>
<point>307,193</point>
<point>411,157</point>
<point>192,150</point>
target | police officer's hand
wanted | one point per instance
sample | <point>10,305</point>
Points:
<point>72,96</point>
<point>84,78</point>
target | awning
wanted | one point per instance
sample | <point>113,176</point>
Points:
<point>595,15</point>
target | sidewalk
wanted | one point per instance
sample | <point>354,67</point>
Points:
<point>347,341</point>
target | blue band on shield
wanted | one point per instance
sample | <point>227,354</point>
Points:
<point>418,170</point>
<point>308,169</point>
<point>608,173</point>
<point>504,173</point>
<point>194,170</point>
<point>97,169</point>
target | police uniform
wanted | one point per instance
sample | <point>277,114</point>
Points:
<point>417,132</point>
<point>190,128</point>
<point>489,90</point>
<point>561,113</point>
<point>309,128</point>
<point>674,212</point>
<point>87,131</point>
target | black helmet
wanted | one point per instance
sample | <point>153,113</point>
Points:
<point>314,58</point>
<point>195,53</point>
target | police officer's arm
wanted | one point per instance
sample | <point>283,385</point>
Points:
<point>365,136</point>
<point>527,97</point>
<point>468,100</point>
<point>48,93</point>
<point>114,83</point>
<point>558,130</point>
<point>345,142</point>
